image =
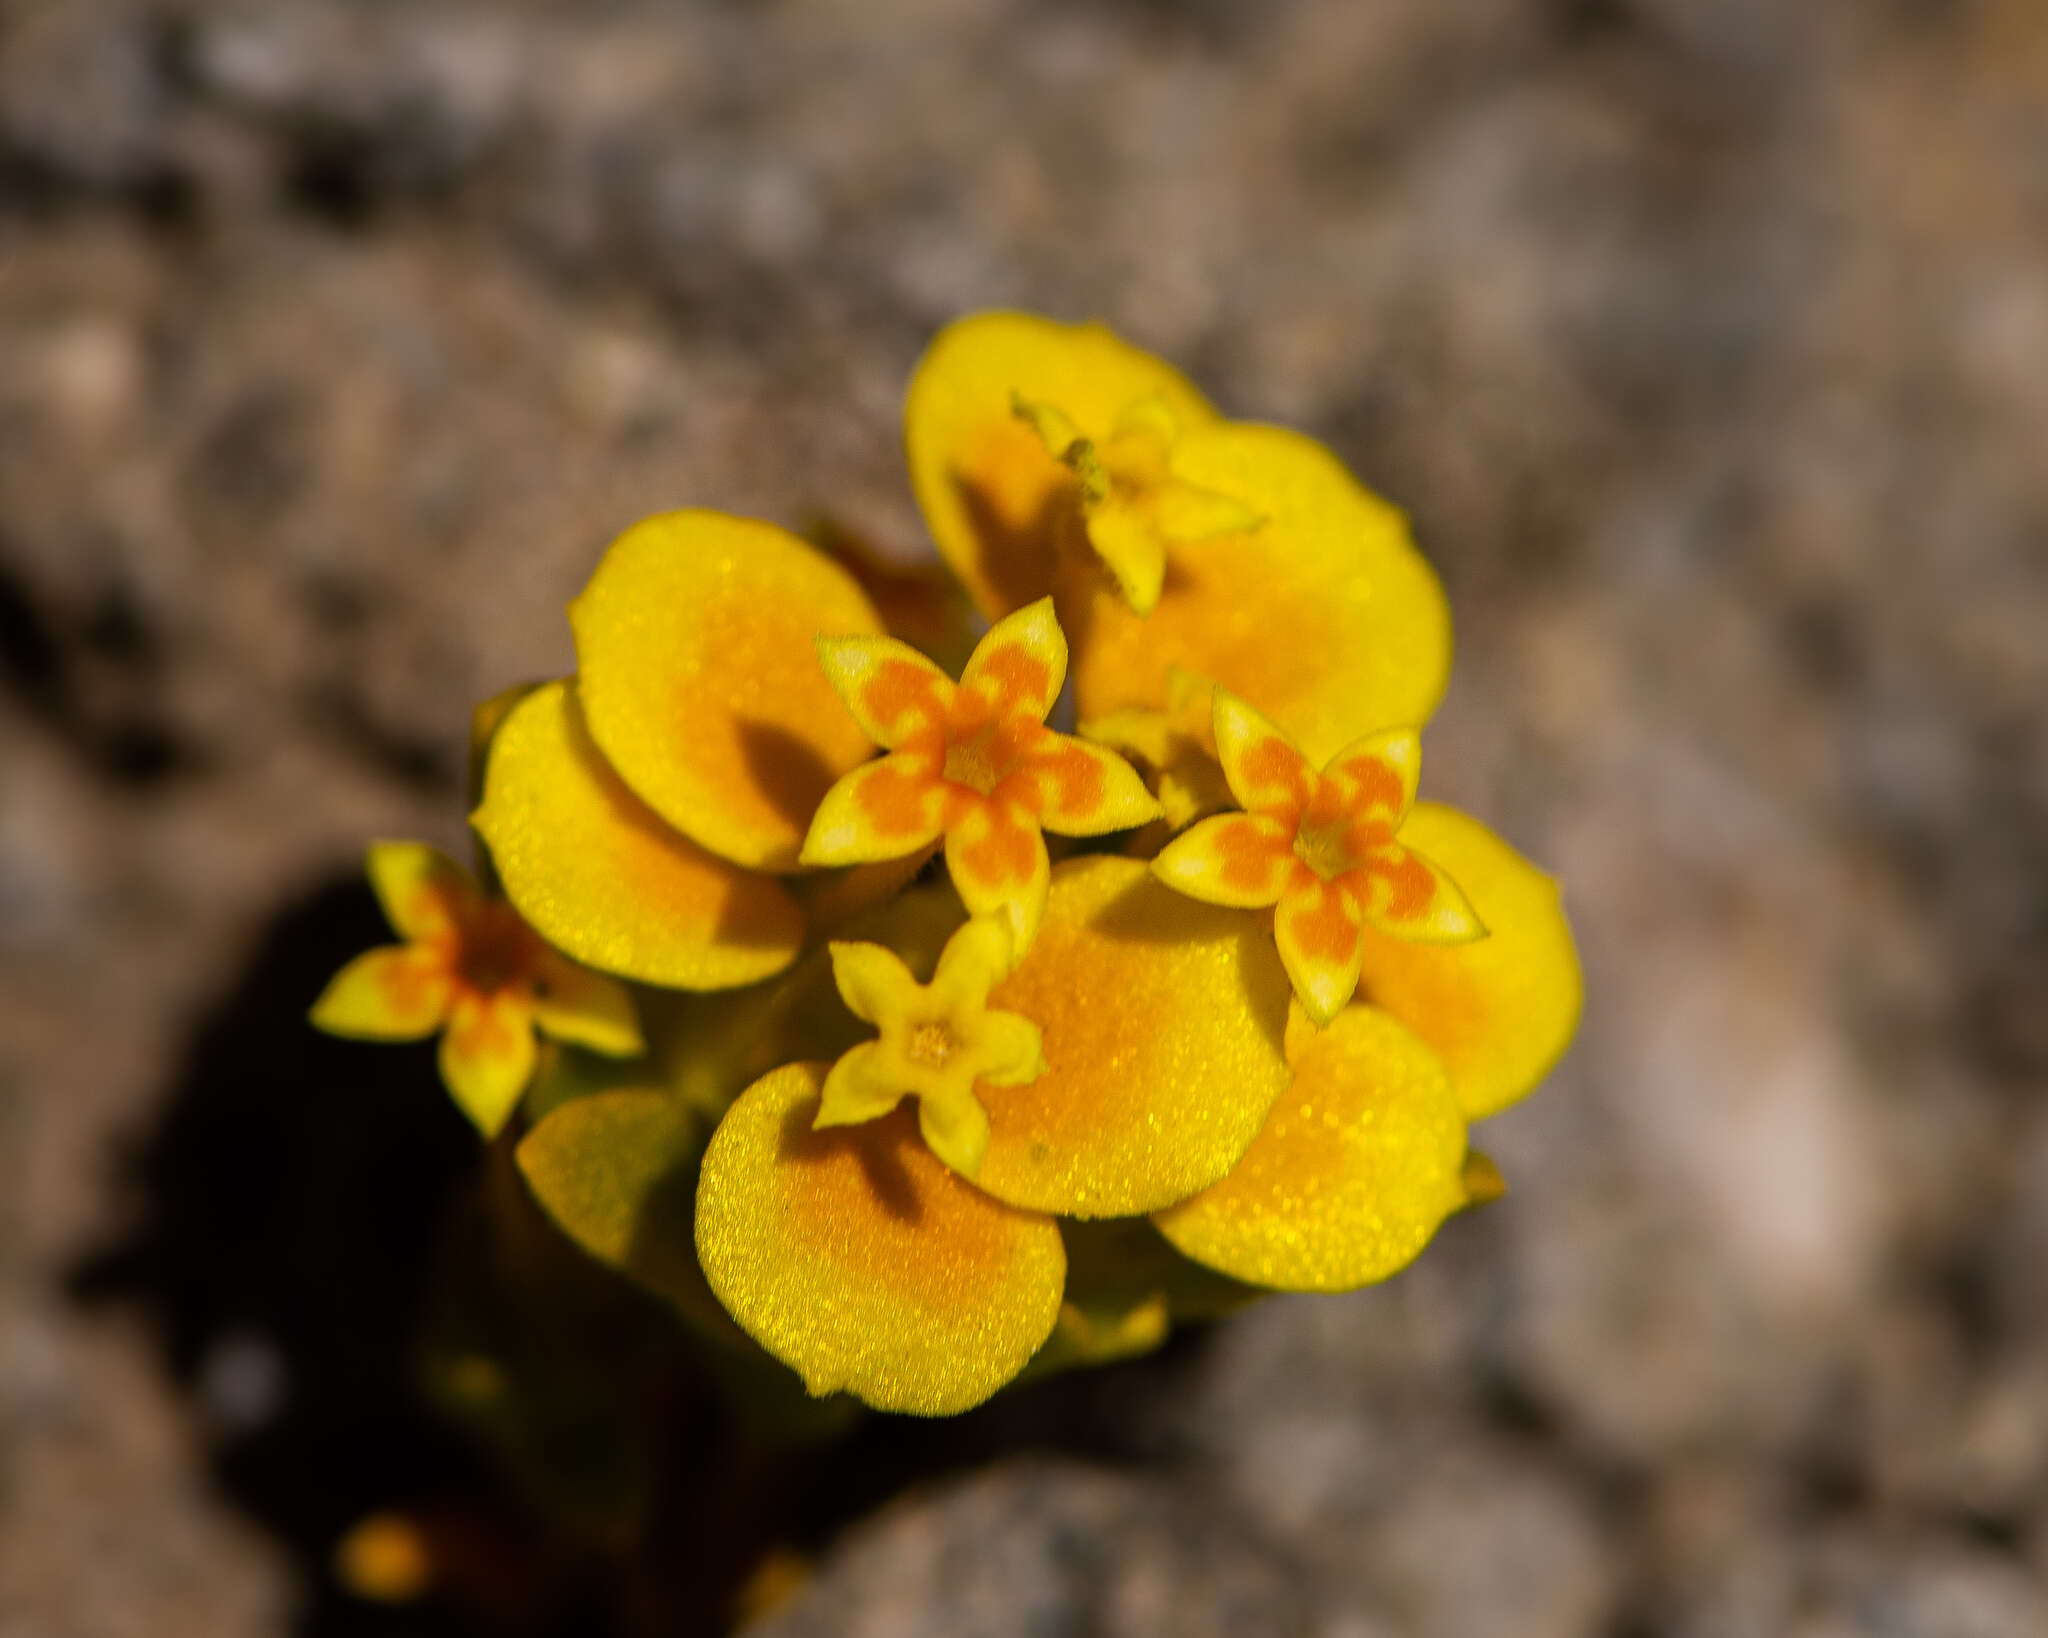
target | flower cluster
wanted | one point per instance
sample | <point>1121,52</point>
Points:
<point>1002,1045</point>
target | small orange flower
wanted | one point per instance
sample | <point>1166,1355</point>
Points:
<point>971,763</point>
<point>1322,848</point>
<point>471,969</point>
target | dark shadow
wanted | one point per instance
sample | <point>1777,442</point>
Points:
<point>787,770</point>
<point>877,1145</point>
<point>1019,563</point>
<point>317,1226</point>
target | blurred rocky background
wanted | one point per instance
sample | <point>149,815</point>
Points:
<point>1705,340</point>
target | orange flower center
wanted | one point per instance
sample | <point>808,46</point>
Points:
<point>932,1044</point>
<point>1325,848</point>
<point>497,949</point>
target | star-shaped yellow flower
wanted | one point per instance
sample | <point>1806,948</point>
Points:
<point>1127,501</point>
<point>1322,848</point>
<point>936,1041</point>
<point>1176,743</point>
<point>471,969</point>
<point>973,763</point>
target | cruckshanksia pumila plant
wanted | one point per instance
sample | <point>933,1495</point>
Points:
<point>973,1046</point>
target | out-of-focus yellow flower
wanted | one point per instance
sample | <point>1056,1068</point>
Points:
<point>471,969</point>
<point>972,763</point>
<point>1320,846</point>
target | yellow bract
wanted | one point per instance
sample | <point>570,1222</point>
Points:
<point>700,684</point>
<point>600,875</point>
<point>1359,1162</point>
<point>1163,1021</point>
<point>997,500</point>
<point>855,1256</point>
<point>1501,1011</point>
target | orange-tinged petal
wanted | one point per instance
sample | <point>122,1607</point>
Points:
<point>1267,773</point>
<point>996,855</point>
<point>600,876</point>
<point>1499,1011</point>
<point>855,1256</point>
<point>425,894</point>
<point>1079,789</point>
<point>487,1056</point>
<point>882,810</point>
<point>1317,928</point>
<point>992,492</point>
<point>1021,665</point>
<point>695,641</point>
<point>1376,776</point>
<point>1162,1020</point>
<point>1241,859</point>
<point>585,1008</point>
<point>892,690</point>
<point>1413,898</point>
<point>1359,1162</point>
<point>1325,616</point>
<point>397,992</point>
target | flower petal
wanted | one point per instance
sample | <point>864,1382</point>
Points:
<point>1267,774</point>
<point>1318,928</point>
<point>397,992</point>
<point>695,641</point>
<point>1162,1021</point>
<point>990,488</point>
<point>1132,549</point>
<point>588,1009</point>
<point>1499,1011</point>
<point>1376,776</point>
<point>892,690</point>
<point>1324,616</point>
<point>425,894</point>
<point>872,981</point>
<point>956,1130</point>
<point>600,876</point>
<point>1413,898</point>
<point>996,856</point>
<point>1021,665</point>
<point>854,1091</point>
<point>1080,789</point>
<point>882,810</point>
<point>1358,1164</point>
<point>487,1056</point>
<point>856,1257</point>
<point>1011,1049</point>
<point>1240,859</point>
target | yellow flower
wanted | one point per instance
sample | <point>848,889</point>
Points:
<point>974,764</point>
<point>937,1040</point>
<point>471,969</point>
<point>1321,846</point>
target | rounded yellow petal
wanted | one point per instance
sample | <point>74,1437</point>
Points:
<point>396,992</point>
<point>487,1056</point>
<point>696,645</point>
<point>424,893</point>
<point>988,484</point>
<point>856,1257</point>
<point>1162,1020</point>
<point>585,1008</point>
<point>599,875</point>
<point>1498,1011</point>
<point>1360,1161</point>
<point>1324,617</point>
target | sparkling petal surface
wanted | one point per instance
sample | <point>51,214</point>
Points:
<point>987,483</point>
<point>487,1056</point>
<point>856,1257</point>
<point>1359,1162</point>
<point>1161,1019</point>
<point>597,873</point>
<point>1499,1011</point>
<point>1325,616</point>
<point>696,648</point>
<point>397,992</point>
